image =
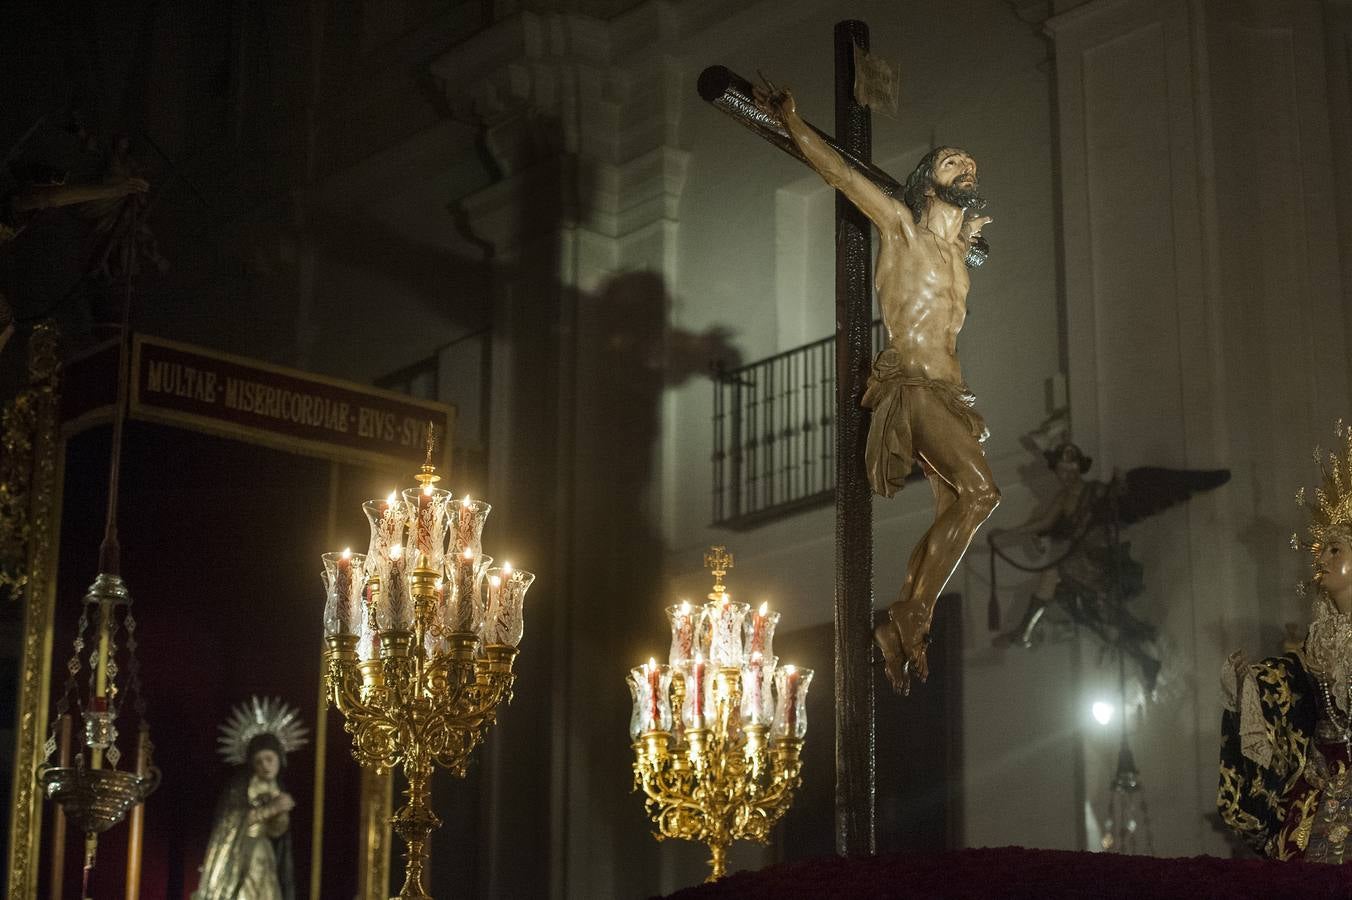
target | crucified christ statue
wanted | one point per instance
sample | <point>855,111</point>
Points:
<point>922,409</point>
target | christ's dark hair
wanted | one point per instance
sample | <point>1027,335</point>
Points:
<point>918,182</point>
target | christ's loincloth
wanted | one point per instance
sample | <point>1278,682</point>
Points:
<point>890,454</point>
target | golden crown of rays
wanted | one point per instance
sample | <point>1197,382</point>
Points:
<point>260,715</point>
<point>1331,509</point>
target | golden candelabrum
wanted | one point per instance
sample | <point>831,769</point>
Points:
<point>421,637</point>
<point>718,732</point>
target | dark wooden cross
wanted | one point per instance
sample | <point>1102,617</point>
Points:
<point>855,778</point>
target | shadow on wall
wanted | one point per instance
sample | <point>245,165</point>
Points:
<point>634,356</point>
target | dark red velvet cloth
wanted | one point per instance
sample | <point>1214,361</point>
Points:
<point>1016,872</point>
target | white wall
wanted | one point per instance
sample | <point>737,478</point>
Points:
<point>1207,325</point>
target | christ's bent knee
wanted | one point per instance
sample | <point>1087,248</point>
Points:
<point>981,502</point>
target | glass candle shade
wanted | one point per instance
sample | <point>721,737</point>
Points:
<point>724,620</point>
<point>343,580</point>
<point>685,621</point>
<point>758,679</point>
<point>426,514</point>
<point>387,519</point>
<point>434,639</point>
<point>790,719</point>
<point>464,607</point>
<point>697,707</point>
<point>636,714</point>
<point>393,603</point>
<point>367,644</point>
<point>506,591</point>
<point>467,517</point>
<point>482,564</point>
<point>330,606</point>
<point>652,688</point>
<point>760,632</point>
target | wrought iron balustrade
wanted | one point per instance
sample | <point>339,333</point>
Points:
<point>774,434</point>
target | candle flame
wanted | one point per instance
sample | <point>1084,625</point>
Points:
<point>506,568</point>
<point>652,662</point>
<point>469,553</point>
<point>396,551</point>
<point>392,498</point>
<point>427,490</point>
<point>790,669</point>
<point>726,598</point>
<point>440,584</point>
<point>756,657</point>
<point>685,607</point>
<point>467,502</point>
<point>699,657</point>
<point>347,553</point>
<point>495,581</point>
<point>765,608</point>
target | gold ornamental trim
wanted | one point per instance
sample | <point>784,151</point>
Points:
<point>30,518</point>
<point>40,432</point>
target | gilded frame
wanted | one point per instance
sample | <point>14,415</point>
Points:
<point>34,433</point>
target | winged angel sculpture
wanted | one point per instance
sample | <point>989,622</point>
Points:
<point>1091,577</point>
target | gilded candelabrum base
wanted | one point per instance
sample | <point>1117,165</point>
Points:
<point>405,710</point>
<point>717,784</point>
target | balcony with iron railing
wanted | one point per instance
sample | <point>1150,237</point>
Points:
<point>774,434</point>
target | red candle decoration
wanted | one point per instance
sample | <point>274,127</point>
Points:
<point>464,536</point>
<point>654,696</point>
<point>395,592</point>
<point>756,701</point>
<point>424,526</point>
<point>791,701</point>
<point>698,687</point>
<point>342,587</point>
<point>758,630</point>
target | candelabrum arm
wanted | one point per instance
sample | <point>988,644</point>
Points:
<point>671,804</point>
<point>344,684</point>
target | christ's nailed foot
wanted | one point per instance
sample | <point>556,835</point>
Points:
<point>895,662</point>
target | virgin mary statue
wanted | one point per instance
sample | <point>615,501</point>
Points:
<point>249,852</point>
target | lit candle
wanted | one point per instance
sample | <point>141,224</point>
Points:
<point>758,630</point>
<point>755,698</point>
<point>465,576</point>
<point>791,699</point>
<point>682,633</point>
<point>698,671</point>
<point>727,619</point>
<point>654,696</point>
<point>342,586</point>
<point>395,592</point>
<point>423,535</point>
<point>464,536</point>
<point>492,628</point>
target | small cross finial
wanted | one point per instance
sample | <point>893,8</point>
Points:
<point>428,472</point>
<point>718,560</point>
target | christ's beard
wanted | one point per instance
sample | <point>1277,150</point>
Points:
<point>964,198</point>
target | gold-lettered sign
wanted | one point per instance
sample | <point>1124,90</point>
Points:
<point>285,408</point>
